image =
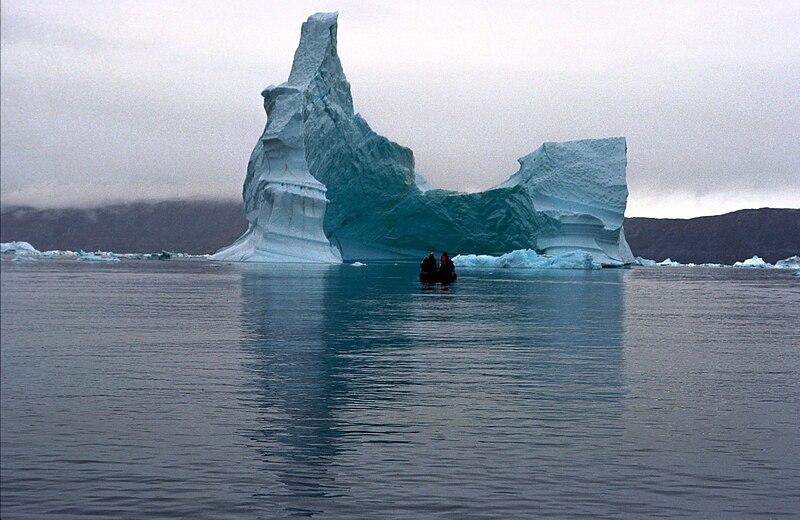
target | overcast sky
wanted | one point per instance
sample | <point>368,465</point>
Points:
<point>129,100</point>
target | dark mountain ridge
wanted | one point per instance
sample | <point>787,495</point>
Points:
<point>195,227</point>
<point>204,226</point>
<point>772,234</point>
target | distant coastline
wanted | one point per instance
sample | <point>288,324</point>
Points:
<point>203,226</point>
<point>770,233</point>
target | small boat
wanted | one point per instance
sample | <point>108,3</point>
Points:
<point>430,273</point>
<point>437,276</point>
<point>447,277</point>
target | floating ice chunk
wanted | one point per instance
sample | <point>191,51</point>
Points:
<point>18,248</point>
<point>793,262</point>
<point>26,249</point>
<point>163,255</point>
<point>99,256</point>
<point>24,258</point>
<point>756,262</point>
<point>358,264</point>
<point>529,259</point>
<point>57,252</point>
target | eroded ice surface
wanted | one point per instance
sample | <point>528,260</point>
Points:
<point>320,184</point>
<point>792,262</point>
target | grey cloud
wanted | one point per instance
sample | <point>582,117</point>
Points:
<point>97,111</point>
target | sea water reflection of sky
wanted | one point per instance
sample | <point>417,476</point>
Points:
<point>206,389</point>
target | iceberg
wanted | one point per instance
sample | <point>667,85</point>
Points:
<point>643,261</point>
<point>321,186</point>
<point>793,262</point>
<point>18,248</point>
<point>756,262</point>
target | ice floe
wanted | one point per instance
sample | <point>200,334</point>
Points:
<point>18,248</point>
<point>529,259</point>
<point>755,262</point>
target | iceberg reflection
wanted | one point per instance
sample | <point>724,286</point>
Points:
<point>366,383</point>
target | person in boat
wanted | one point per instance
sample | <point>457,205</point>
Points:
<point>423,267</point>
<point>428,268</point>
<point>446,267</point>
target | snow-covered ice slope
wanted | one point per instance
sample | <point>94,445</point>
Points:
<point>565,196</point>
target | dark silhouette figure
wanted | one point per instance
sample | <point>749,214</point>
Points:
<point>428,271</point>
<point>447,271</point>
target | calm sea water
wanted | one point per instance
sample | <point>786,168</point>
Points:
<point>202,390</point>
